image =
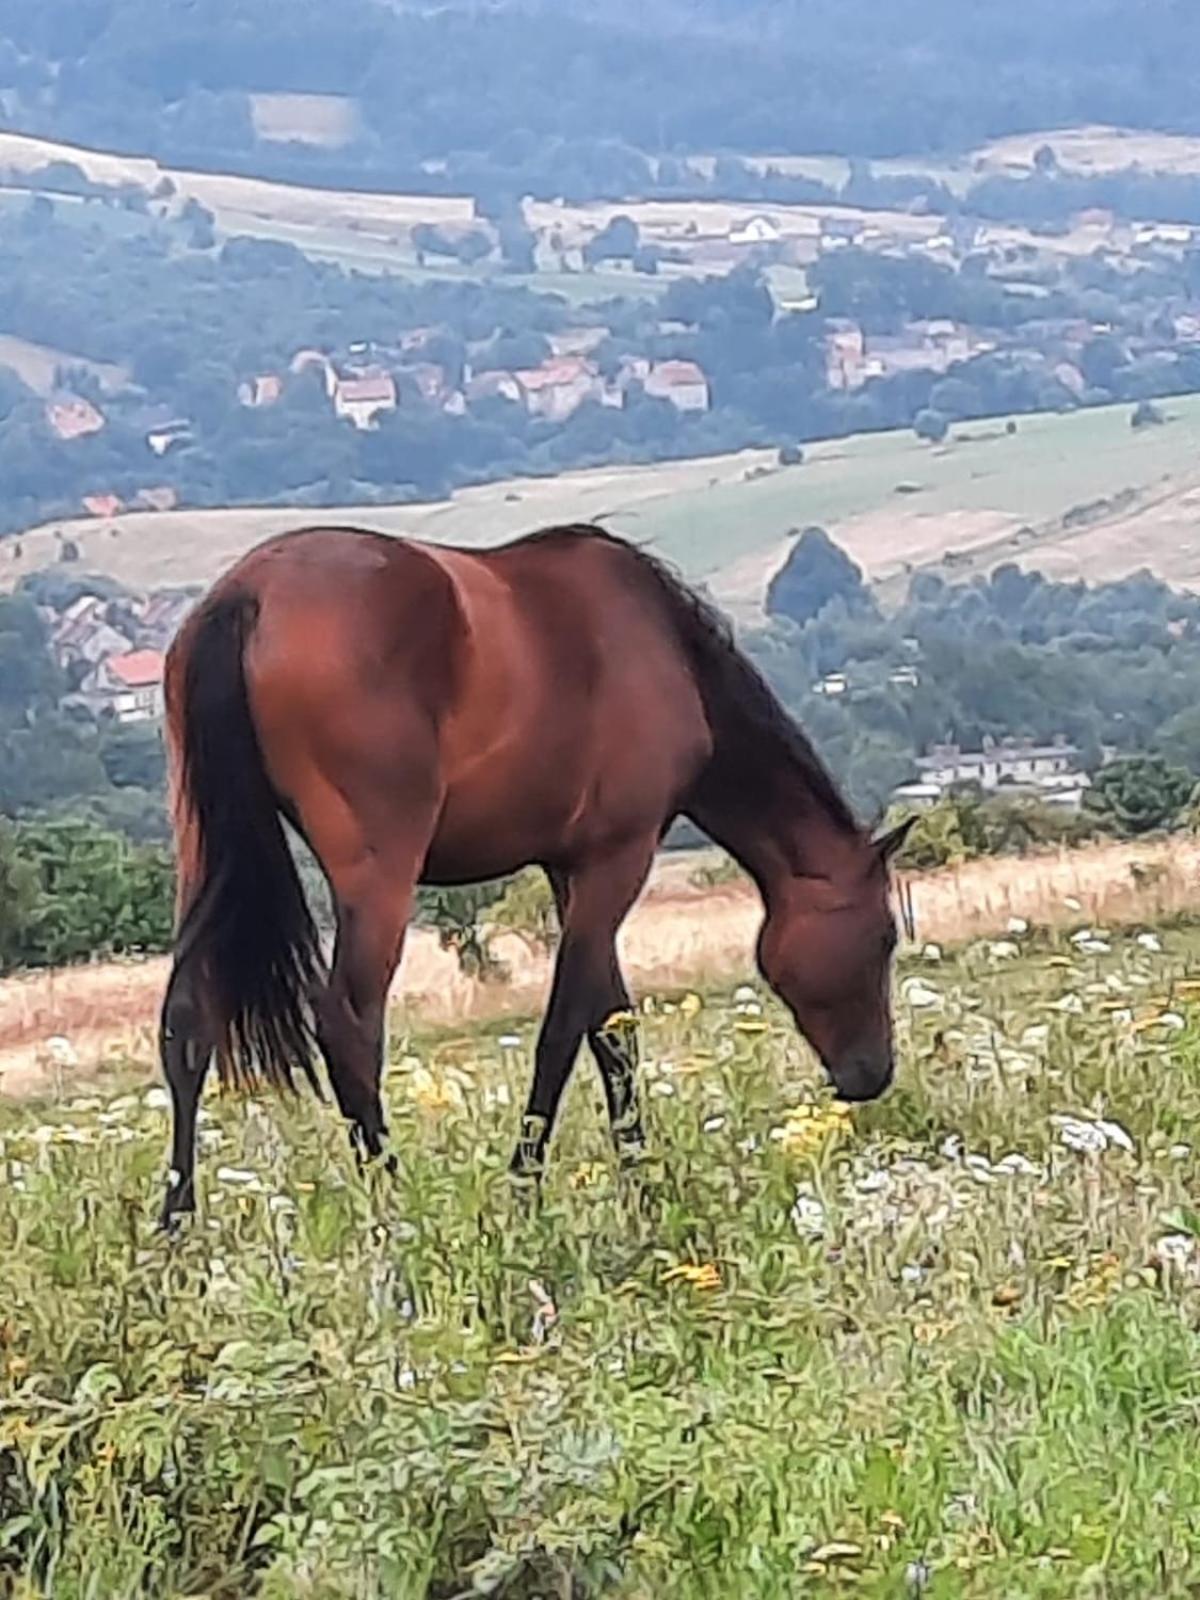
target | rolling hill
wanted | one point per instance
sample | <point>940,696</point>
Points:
<point>1082,495</point>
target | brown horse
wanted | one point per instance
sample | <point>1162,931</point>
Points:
<point>439,715</point>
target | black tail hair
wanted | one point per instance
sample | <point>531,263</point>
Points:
<point>249,928</point>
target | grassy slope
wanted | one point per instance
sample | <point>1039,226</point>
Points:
<point>728,528</point>
<point>337,1388</point>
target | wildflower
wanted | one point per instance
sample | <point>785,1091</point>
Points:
<point>510,1041</point>
<point>1070,1004</point>
<point>807,1127</point>
<point>932,953</point>
<point>745,998</point>
<point>156,1100</point>
<point>1017,925</point>
<point>240,1177</point>
<point>1003,950</point>
<point>587,1174</point>
<point>705,1276</point>
<point>1151,942</point>
<point>918,994</point>
<point>713,1124</point>
<point>691,1005</point>
<point>435,1095</point>
<point>808,1214</point>
<point>665,1090</point>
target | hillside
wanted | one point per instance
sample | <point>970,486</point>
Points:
<point>1082,495</point>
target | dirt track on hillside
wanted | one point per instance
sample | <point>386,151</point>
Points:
<point>679,935</point>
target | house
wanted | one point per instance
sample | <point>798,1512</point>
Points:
<point>494,386</point>
<point>102,505</point>
<point>845,352</point>
<point>69,416</point>
<point>83,633</point>
<point>128,687</point>
<point>1014,766</point>
<point>577,341</point>
<point>433,386</point>
<point>758,230</point>
<point>166,436</point>
<point>264,389</point>
<point>161,616</point>
<point>362,399</point>
<point>556,389</point>
<point>681,382</point>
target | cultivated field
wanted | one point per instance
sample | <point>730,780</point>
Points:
<point>944,1345</point>
<point>894,502</point>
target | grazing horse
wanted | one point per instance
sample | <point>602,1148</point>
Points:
<point>438,715</point>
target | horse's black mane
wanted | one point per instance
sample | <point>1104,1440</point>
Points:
<point>732,687</point>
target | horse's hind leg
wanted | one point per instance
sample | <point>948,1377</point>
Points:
<point>186,1044</point>
<point>373,907</point>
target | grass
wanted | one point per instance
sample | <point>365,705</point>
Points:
<point>803,1353</point>
<point>726,519</point>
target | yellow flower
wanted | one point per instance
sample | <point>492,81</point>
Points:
<point>806,1128</point>
<point>705,1276</point>
<point>691,1004</point>
<point>587,1174</point>
<point>433,1094</point>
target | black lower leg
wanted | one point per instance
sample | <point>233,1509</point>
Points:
<point>615,1046</point>
<point>185,1048</point>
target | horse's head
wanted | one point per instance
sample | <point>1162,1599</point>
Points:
<point>826,949</point>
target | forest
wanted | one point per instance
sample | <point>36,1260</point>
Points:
<point>858,77</point>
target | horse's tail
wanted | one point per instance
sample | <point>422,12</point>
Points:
<point>243,918</point>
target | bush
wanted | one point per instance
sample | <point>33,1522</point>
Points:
<point>931,425</point>
<point>71,890</point>
<point>791,455</point>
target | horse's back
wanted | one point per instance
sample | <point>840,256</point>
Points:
<point>534,693</point>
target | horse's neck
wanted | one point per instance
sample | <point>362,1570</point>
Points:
<point>757,802</point>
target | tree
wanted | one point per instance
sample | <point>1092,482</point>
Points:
<point>816,571</point>
<point>619,240</point>
<point>1045,161</point>
<point>1139,794</point>
<point>931,425</point>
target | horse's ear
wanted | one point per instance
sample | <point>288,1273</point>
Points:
<point>889,843</point>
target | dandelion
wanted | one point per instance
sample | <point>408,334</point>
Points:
<point>702,1277</point>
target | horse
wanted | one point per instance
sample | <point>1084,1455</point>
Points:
<point>444,715</point>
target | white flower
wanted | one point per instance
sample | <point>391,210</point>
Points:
<point>1072,904</point>
<point>240,1177</point>
<point>714,1124</point>
<point>1180,1152</point>
<point>1094,947</point>
<point>919,994</point>
<point>745,995</point>
<point>1172,1019</point>
<point>510,1041</point>
<point>808,1215</point>
<point>156,1100</point>
<point>1151,942</point>
<point>1017,1165</point>
<point>980,1168</point>
<point>663,1089</point>
<point>1003,950</point>
<point>1070,1004</point>
<point>1091,1138</point>
<point>932,953</point>
<point>1017,925</point>
<point>911,1272</point>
